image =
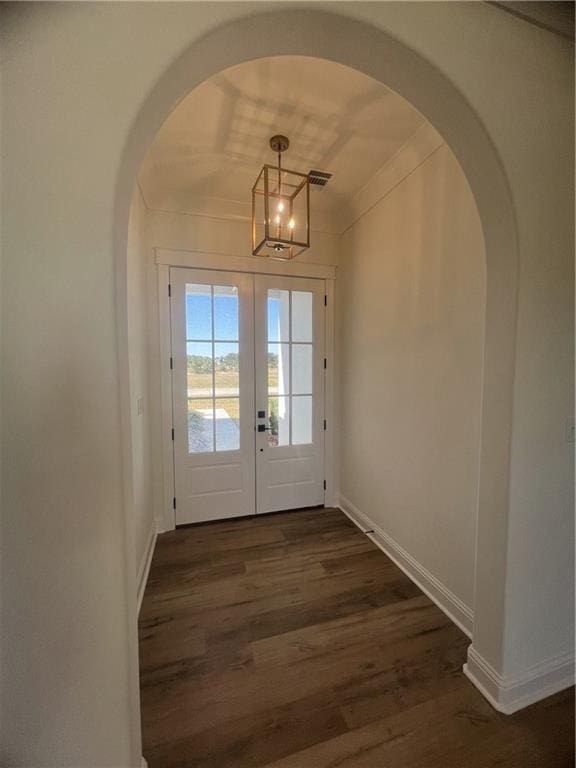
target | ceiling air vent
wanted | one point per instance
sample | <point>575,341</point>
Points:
<point>319,178</point>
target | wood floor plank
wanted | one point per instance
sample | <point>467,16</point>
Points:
<point>170,639</point>
<point>255,739</point>
<point>444,731</point>
<point>375,626</point>
<point>311,609</point>
<point>294,556</point>
<point>291,641</point>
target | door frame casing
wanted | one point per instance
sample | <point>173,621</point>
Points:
<point>166,258</point>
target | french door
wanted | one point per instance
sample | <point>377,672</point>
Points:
<point>289,376</point>
<point>247,393</point>
<point>212,317</point>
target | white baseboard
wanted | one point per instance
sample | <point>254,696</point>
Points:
<point>144,568</point>
<point>444,598</point>
<point>509,694</point>
<point>143,763</point>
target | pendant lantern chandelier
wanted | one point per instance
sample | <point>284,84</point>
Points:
<point>280,208</point>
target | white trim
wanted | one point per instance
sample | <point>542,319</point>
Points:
<point>330,496</point>
<point>417,148</point>
<point>167,521</point>
<point>144,568</point>
<point>445,599</point>
<point>254,264</point>
<point>143,762</point>
<point>411,155</point>
<point>221,209</point>
<point>509,694</point>
<point>505,694</point>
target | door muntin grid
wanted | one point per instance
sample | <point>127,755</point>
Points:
<point>290,357</point>
<point>212,368</point>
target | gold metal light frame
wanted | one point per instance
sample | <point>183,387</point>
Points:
<point>274,183</point>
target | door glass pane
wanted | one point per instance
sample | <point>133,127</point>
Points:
<point>226,313</point>
<point>278,315</point>
<point>227,424</point>
<point>213,369</point>
<point>199,368</point>
<point>198,312</point>
<point>301,369</point>
<point>278,369</point>
<point>200,426</point>
<point>301,316</point>
<point>301,420</point>
<point>278,421</point>
<point>226,369</point>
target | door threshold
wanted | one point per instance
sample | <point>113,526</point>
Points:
<point>248,517</point>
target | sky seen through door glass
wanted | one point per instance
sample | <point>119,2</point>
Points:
<point>199,319</point>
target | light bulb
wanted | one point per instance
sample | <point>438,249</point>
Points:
<point>291,223</point>
<point>280,206</point>
<point>277,219</point>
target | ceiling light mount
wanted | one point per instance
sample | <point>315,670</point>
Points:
<point>280,208</point>
<point>279,143</point>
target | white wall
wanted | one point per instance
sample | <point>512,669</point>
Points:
<point>139,332</point>
<point>411,292</point>
<point>534,123</point>
<point>541,522</point>
<point>76,86</point>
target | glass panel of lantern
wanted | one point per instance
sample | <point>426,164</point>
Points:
<point>280,213</point>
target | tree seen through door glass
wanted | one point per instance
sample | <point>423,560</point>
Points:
<point>200,426</point>
<point>278,421</point>
<point>278,369</point>
<point>199,368</point>
<point>226,369</point>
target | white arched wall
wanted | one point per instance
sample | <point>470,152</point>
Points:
<point>374,53</point>
<point>434,57</point>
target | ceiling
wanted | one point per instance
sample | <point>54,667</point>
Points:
<point>209,151</point>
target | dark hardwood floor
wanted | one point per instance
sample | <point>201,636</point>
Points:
<point>291,641</point>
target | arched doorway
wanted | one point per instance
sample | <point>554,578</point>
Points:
<point>307,32</point>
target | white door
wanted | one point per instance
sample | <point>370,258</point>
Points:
<point>212,319</point>
<point>289,326</point>
<point>247,392</point>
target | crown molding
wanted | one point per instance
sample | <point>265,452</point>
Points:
<point>416,150</point>
<point>227,210</point>
<point>194,259</point>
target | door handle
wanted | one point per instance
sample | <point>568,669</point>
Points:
<point>263,428</point>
